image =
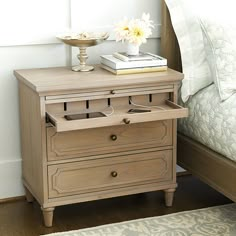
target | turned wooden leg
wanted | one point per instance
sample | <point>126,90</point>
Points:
<point>48,216</point>
<point>28,195</point>
<point>169,196</point>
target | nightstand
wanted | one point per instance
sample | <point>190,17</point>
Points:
<point>107,151</point>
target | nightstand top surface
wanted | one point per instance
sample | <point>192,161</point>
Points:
<point>62,79</point>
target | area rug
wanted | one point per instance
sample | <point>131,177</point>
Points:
<point>212,221</point>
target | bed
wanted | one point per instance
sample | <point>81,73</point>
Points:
<point>210,162</point>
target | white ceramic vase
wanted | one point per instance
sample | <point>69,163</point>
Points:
<point>132,49</point>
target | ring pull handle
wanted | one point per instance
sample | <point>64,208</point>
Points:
<point>114,174</point>
<point>113,137</point>
<point>112,92</point>
<point>126,121</point>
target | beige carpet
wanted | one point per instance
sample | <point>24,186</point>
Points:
<point>213,221</point>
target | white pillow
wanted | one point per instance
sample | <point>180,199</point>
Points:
<point>187,28</point>
<point>221,39</point>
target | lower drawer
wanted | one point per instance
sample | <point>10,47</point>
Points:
<point>80,143</point>
<point>109,173</point>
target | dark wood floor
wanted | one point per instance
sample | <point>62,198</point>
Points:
<point>25,219</point>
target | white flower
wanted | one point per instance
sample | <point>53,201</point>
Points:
<point>146,19</point>
<point>134,31</point>
<point>137,32</point>
<point>122,30</point>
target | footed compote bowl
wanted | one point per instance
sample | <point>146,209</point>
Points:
<point>82,41</point>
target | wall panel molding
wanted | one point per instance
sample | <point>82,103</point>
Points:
<point>38,22</point>
<point>28,22</point>
<point>106,13</point>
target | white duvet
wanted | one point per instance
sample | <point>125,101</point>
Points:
<point>211,122</point>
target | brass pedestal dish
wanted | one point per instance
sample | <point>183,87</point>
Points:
<point>82,41</point>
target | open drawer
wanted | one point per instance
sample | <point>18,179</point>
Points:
<point>120,116</point>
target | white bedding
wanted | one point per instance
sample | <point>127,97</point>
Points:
<point>212,122</point>
<point>190,38</point>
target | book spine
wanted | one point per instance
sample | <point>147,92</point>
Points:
<point>121,57</point>
<point>133,64</point>
<point>141,70</point>
<point>108,63</point>
<point>134,70</point>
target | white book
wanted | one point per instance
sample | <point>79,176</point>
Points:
<point>116,63</point>
<point>123,56</point>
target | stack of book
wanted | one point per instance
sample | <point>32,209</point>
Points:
<point>120,63</point>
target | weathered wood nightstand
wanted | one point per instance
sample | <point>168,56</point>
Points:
<point>112,152</point>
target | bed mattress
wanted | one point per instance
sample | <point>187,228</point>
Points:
<point>211,122</point>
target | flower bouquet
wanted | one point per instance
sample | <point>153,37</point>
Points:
<point>134,32</point>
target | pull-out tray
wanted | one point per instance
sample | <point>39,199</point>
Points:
<point>120,116</point>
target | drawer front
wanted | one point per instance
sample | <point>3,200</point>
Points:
<point>109,173</point>
<point>111,93</point>
<point>88,142</point>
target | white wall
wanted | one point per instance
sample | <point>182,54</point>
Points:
<point>28,29</point>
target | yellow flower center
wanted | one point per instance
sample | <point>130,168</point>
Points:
<point>138,32</point>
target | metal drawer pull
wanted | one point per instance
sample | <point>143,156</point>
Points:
<point>114,174</point>
<point>113,92</point>
<point>113,137</point>
<point>126,121</point>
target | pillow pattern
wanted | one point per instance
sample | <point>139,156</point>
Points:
<point>197,74</point>
<point>221,39</point>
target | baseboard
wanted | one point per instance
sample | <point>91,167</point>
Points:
<point>10,179</point>
<point>183,173</point>
<point>12,199</point>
